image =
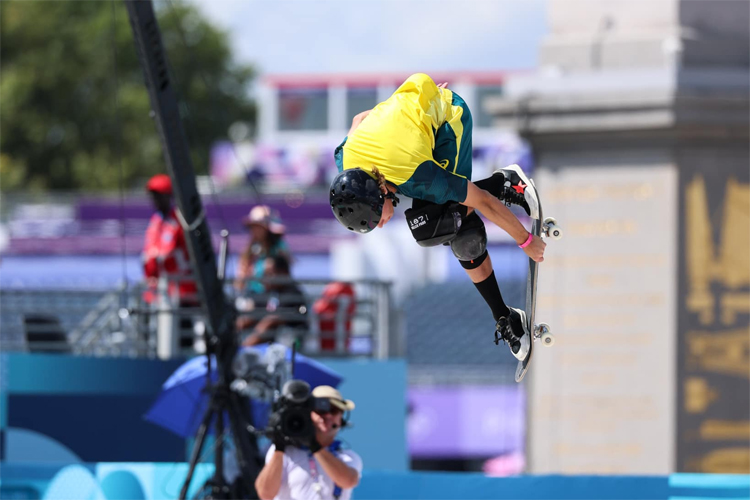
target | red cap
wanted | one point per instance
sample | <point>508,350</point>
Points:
<point>160,183</point>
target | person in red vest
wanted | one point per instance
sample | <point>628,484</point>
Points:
<point>165,251</point>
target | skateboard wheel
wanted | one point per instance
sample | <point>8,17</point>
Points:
<point>542,332</point>
<point>553,231</point>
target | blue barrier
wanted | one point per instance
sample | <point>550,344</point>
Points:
<point>68,409</point>
<point>56,406</point>
<point>457,485</point>
<point>159,481</point>
<point>444,486</point>
<point>378,433</point>
<point>134,481</point>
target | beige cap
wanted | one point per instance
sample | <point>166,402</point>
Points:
<point>326,391</point>
<point>265,216</point>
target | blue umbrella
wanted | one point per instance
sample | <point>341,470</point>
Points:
<point>183,400</point>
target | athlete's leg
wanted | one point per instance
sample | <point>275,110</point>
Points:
<point>485,282</point>
<point>470,247</point>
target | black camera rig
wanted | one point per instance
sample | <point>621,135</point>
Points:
<point>290,417</point>
<point>222,344</point>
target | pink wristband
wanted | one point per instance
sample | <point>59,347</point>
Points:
<point>528,242</point>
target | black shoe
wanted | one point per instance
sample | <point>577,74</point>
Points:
<point>516,190</point>
<point>512,329</point>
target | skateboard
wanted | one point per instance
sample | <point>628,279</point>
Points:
<point>548,228</point>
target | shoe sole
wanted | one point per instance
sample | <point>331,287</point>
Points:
<point>517,170</point>
<point>522,314</point>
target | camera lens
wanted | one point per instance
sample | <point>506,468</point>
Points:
<point>295,423</point>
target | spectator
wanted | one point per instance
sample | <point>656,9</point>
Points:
<point>266,240</point>
<point>335,309</point>
<point>283,305</point>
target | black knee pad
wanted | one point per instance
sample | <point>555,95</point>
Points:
<point>473,264</point>
<point>471,241</point>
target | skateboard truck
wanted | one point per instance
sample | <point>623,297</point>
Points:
<point>543,332</point>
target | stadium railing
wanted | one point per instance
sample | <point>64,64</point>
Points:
<point>121,322</point>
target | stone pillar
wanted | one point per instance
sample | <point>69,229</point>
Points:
<point>638,119</point>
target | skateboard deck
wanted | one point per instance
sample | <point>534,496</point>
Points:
<point>530,309</point>
<point>539,226</point>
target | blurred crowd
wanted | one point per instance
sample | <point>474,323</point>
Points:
<point>272,306</point>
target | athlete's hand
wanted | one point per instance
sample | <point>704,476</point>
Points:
<point>535,249</point>
<point>443,85</point>
<point>387,212</point>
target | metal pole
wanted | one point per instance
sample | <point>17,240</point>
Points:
<point>166,331</point>
<point>383,327</point>
<point>223,252</point>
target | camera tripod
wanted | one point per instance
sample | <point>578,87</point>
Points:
<point>224,401</point>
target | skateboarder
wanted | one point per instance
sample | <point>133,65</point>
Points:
<point>418,144</point>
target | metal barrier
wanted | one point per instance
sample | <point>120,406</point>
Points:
<point>80,322</point>
<point>123,322</point>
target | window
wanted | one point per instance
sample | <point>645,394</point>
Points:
<point>481,117</point>
<point>303,109</point>
<point>358,100</point>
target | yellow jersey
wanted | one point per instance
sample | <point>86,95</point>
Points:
<point>419,139</point>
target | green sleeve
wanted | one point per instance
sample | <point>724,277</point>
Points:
<point>431,183</point>
<point>338,155</point>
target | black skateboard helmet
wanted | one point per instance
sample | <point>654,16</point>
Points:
<point>356,200</point>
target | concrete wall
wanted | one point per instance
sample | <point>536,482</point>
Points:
<point>612,34</point>
<point>713,351</point>
<point>660,89</point>
<point>602,397</point>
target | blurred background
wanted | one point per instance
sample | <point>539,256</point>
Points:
<point>632,117</point>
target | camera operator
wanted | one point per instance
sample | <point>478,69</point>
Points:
<point>321,470</point>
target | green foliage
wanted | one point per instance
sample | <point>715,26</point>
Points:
<point>74,108</point>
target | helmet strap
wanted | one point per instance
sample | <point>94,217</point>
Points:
<point>394,199</point>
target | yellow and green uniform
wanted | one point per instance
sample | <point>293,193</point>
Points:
<point>419,139</point>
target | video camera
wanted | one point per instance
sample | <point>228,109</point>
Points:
<point>258,377</point>
<point>290,415</point>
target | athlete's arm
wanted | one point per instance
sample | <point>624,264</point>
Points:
<point>357,120</point>
<point>501,216</point>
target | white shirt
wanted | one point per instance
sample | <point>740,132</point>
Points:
<point>298,482</point>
